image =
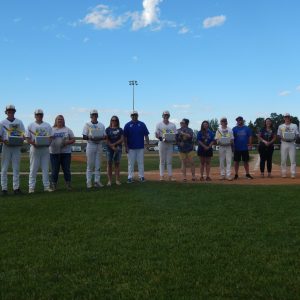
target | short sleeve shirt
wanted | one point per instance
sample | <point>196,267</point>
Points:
<point>185,144</point>
<point>135,133</point>
<point>114,135</point>
<point>287,128</point>
<point>35,129</point>
<point>12,128</point>
<point>205,138</point>
<point>241,137</point>
<point>59,135</point>
<point>90,127</point>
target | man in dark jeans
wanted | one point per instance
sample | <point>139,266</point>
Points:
<point>242,142</point>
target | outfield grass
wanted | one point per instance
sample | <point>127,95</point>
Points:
<point>151,241</point>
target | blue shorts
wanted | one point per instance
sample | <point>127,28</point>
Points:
<point>113,155</point>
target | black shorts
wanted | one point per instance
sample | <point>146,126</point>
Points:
<point>241,155</point>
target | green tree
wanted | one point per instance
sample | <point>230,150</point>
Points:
<point>213,124</point>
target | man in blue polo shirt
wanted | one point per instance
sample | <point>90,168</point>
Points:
<point>134,133</point>
<point>242,140</point>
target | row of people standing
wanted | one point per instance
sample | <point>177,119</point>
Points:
<point>236,141</point>
<point>133,135</point>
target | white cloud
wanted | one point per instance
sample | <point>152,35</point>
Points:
<point>284,93</point>
<point>102,18</point>
<point>183,30</point>
<point>182,106</point>
<point>148,16</point>
<point>214,21</point>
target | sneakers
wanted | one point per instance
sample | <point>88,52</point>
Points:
<point>98,185</point>
<point>161,178</point>
<point>222,177</point>
<point>53,186</point>
<point>68,185</point>
<point>48,189</point>
<point>248,176</point>
<point>108,184</point>
<point>142,179</point>
<point>172,178</point>
<point>283,176</point>
<point>236,176</point>
<point>293,176</point>
<point>229,178</point>
<point>118,182</point>
<point>262,175</point>
<point>89,185</point>
<point>30,191</point>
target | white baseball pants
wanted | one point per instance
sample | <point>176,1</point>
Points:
<point>93,158</point>
<point>165,157</point>
<point>135,155</point>
<point>225,157</point>
<point>288,149</point>
<point>13,155</point>
<point>39,157</point>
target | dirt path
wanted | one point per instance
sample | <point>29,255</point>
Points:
<point>215,173</point>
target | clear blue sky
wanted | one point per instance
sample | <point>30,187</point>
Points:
<point>199,59</point>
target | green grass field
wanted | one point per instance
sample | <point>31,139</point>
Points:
<point>151,241</point>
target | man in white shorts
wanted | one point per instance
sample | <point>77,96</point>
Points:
<point>165,130</point>
<point>224,138</point>
<point>94,134</point>
<point>11,151</point>
<point>288,133</point>
<point>39,150</point>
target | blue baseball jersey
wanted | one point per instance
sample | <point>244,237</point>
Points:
<point>135,133</point>
<point>241,137</point>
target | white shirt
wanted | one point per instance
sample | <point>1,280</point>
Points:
<point>97,130</point>
<point>162,129</point>
<point>35,129</point>
<point>12,128</point>
<point>226,132</point>
<point>59,136</point>
<point>287,128</point>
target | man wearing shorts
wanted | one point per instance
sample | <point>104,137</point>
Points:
<point>242,140</point>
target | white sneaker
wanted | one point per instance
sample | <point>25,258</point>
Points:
<point>48,189</point>
<point>293,176</point>
<point>283,176</point>
<point>98,185</point>
<point>31,191</point>
<point>222,177</point>
<point>89,185</point>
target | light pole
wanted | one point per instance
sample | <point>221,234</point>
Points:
<point>133,83</point>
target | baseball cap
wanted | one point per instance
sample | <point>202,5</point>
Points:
<point>10,107</point>
<point>287,115</point>
<point>166,112</point>
<point>38,112</point>
<point>239,118</point>
<point>134,112</point>
<point>223,119</point>
<point>94,112</point>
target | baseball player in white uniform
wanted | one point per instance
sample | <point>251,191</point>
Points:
<point>288,133</point>
<point>94,134</point>
<point>11,150</point>
<point>39,152</point>
<point>165,145</point>
<point>225,150</point>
